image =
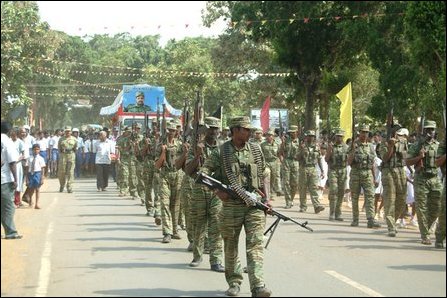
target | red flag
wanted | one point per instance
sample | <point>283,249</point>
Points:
<point>265,114</point>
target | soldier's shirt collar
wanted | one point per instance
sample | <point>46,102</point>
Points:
<point>242,149</point>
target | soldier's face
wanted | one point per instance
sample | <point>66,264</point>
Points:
<point>140,100</point>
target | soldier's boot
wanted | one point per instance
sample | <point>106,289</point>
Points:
<point>217,268</point>
<point>195,262</point>
<point>261,292</point>
<point>318,209</point>
<point>166,238</point>
<point>233,290</point>
<point>355,222</point>
<point>439,244</point>
<point>372,223</point>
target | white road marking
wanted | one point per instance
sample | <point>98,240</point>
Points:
<point>354,284</point>
<point>45,264</point>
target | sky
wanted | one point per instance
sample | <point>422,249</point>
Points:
<point>169,19</point>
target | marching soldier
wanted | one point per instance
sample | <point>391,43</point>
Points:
<point>361,157</point>
<point>270,149</point>
<point>243,164</point>
<point>67,146</point>
<point>336,157</point>
<point>289,152</point>
<point>427,185</point>
<point>205,205</point>
<point>394,179</point>
<point>440,230</point>
<point>169,183</point>
<point>123,162</point>
<point>309,156</point>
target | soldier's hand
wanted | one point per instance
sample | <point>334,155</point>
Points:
<point>199,150</point>
<point>391,142</point>
<point>186,147</point>
<point>223,196</point>
<point>422,153</point>
<point>283,139</point>
<point>163,148</point>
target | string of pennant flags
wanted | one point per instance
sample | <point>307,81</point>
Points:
<point>306,20</point>
<point>80,96</point>
<point>233,24</point>
<point>169,73</point>
<point>76,81</point>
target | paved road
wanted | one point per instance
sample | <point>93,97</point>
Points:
<point>91,243</point>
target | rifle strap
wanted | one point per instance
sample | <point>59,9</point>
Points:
<point>234,183</point>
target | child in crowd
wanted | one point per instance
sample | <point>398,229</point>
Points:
<point>35,176</point>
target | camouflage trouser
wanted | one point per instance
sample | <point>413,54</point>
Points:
<point>308,181</point>
<point>185,205</point>
<point>427,193</point>
<point>206,208</point>
<point>132,178</point>
<point>275,176</point>
<point>156,186</point>
<point>170,204</point>
<point>267,176</point>
<point>66,170</point>
<point>290,171</point>
<point>181,214</point>
<point>141,183</point>
<point>235,215</point>
<point>123,175</point>
<point>394,181</point>
<point>148,173</point>
<point>362,179</point>
<point>337,180</point>
<point>440,229</point>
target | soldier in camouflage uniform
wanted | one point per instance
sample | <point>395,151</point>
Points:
<point>394,179</point>
<point>289,153</point>
<point>336,157</point>
<point>361,158</point>
<point>67,146</point>
<point>427,185</point>
<point>309,156</point>
<point>123,163</point>
<point>243,163</point>
<point>270,149</point>
<point>440,229</point>
<point>147,146</point>
<point>167,153</point>
<point>139,164</point>
<point>204,203</point>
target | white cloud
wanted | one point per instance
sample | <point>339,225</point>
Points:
<point>168,19</point>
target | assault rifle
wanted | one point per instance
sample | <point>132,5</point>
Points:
<point>158,114</point>
<point>389,122</point>
<point>198,121</point>
<point>281,128</point>
<point>213,184</point>
<point>185,120</point>
<point>163,126</point>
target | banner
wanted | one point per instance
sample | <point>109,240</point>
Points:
<point>265,115</point>
<point>345,96</point>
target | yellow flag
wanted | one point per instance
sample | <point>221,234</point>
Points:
<point>345,96</point>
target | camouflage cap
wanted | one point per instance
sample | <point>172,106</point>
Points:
<point>271,132</point>
<point>171,126</point>
<point>310,133</point>
<point>364,127</point>
<point>127,128</point>
<point>403,132</point>
<point>67,128</point>
<point>226,128</point>
<point>139,93</point>
<point>212,122</point>
<point>75,129</point>
<point>339,132</point>
<point>138,125</point>
<point>241,121</point>
<point>429,124</point>
<point>258,130</point>
<point>293,128</point>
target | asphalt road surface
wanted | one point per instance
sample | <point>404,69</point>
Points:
<point>91,243</point>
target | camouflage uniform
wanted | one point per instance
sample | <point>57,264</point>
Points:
<point>427,185</point>
<point>169,186</point>
<point>394,181</point>
<point>309,156</point>
<point>67,150</point>
<point>337,177</point>
<point>148,146</point>
<point>440,229</point>
<point>123,165</point>
<point>236,214</point>
<point>205,206</point>
<point>270,152</point>
<point>361,177</point>
<point>289,151</point>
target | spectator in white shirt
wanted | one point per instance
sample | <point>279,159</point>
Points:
<point>9,158</point>
<point>103,160</point>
